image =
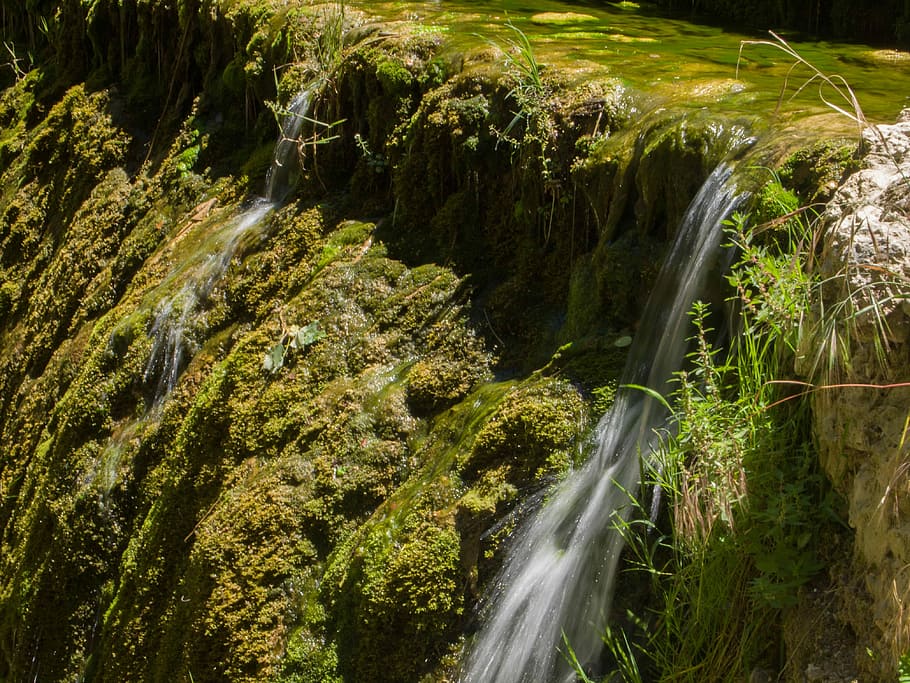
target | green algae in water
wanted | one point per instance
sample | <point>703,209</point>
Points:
<point>561,18</point>
<point>655,53</point>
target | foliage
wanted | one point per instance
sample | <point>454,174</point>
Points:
<point>748,506</point>
<point>293,338</point>
<point>524,67</point>
<point>202,544</point>
<point>903,669</point>
<point>531,133</point>
<point>839,304</point>
<point>329,44</point>
<point>528,93</point>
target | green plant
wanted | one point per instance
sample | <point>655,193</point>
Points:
<point>858,294</point>
<point>524,67</point>
<point>572,659</point>
<point>747,504</point>
<point>532,131</point>
<point>624,654</point>
<point>376,161</point>
<point>528,91</point>
<point>329,46</point>
<point>293,338</point>
<point>834,90</point>
<point>814,318</point>
<point>319,133</point>
<point>903,668</point>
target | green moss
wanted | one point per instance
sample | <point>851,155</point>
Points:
<point>533,433</point>
<point>9,296</point>
<point>774,201</point>
<point>593,364</point>
<point>453,362</point>
<point>396,600</point>
<point>490,494</point>
<point>394,77</point>
<point>678,155</point>
<point>814,172</point>
<point>561,18</point>
<point>309,659</point>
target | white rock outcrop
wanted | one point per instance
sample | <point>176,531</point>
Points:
<point>862,419</point>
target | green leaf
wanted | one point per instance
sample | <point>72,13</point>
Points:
<point>306,335</point>
<point>903,668</point>
<point>274,359</point>
<point>650,392</point>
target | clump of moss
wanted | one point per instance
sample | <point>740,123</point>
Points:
<point>447,140</point>
<point>394,593</point>
<point>454,362</point>
<point>532,433</point>
<point>816,171</point>
<point>528,439</point>
<point>774,201</point>
<point>245,554</point>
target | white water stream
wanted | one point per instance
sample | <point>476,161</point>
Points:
<point>178,316</point>
<point>559,573</point>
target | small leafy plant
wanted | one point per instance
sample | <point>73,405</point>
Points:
<point>747,506</point>
<point>292,339</point>
<point>528,92</point>
<point>531,133</point>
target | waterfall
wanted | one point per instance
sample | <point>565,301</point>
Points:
<point>179,300</point>
<point>179,315</point>
<point>560,569</point>
<point>278,175</point>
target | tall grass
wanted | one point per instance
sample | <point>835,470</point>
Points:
<point>833,89</point>
<point>849,298</point>
<point>329,45</point>
<point>747,506</point>
<point>532,130</point>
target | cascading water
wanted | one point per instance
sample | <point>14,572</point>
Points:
<point>276,180</point>
<point>177,315</point>
<point>558,576</point>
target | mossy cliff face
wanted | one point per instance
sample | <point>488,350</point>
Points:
<point>297,466</point>
<point>258,522</point>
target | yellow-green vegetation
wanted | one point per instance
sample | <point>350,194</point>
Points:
<point>752,518</point>
<point>201,539</point>
<point>327,480</point>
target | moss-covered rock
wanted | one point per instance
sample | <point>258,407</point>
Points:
<point>532,433</point>
<point>396,598</point>
<point>254,442</point>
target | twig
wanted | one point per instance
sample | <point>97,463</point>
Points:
<point>810,388</point>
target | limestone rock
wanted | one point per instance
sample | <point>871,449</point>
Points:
<point>862,430</point>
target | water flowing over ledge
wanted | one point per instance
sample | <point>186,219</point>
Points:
<point>446,288</point>
<point>558,577</point>
<point>178,316</point>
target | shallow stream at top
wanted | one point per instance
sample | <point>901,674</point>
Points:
<point>671,59</point>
